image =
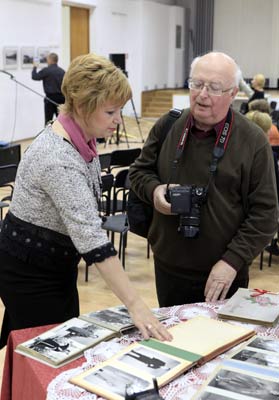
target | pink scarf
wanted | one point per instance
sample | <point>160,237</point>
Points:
<point>87,150</point>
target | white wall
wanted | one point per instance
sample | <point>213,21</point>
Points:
<point>25,23</point>
<point>143,30</point>
<point>248,30</point>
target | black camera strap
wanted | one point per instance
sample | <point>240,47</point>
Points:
<point>219,148</point>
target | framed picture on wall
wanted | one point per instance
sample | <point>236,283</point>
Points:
<point>10,57</point>
<point>42,53</point>
<point>27,57</point>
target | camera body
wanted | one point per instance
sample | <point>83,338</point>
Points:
<point>186,201</point>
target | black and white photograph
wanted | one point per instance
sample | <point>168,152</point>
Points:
<point>247,385</point>
<point>10,57</point>
<point>42,53</point>
<point>111,317</point>
<point>27,57</point>
<point>213,396</point>
<point>149,361</point>
<point>260,358</point>
<point>65,341</point>
<point>265,344</point>
<point>117,381</point>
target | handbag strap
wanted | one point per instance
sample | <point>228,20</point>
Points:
<point>173,115</point>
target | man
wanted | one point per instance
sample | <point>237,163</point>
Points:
<point>52,77</point>
<point>238,215</point>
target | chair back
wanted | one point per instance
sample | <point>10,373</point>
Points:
<point>273,105</point>
<point>275,117</point>
<point>107,185</point>
<point>105,160</point>
<point>123,158</point>
<point>7,174</point>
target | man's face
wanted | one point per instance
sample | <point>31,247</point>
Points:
<point>206,108</point>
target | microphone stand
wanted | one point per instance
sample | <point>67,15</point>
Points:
<point>27,87</point>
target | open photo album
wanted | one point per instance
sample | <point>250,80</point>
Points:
<point>252,372</point>
<point>133,369</point>
<point>67,341</point>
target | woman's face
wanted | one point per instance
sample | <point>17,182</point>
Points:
<point>102,122</point>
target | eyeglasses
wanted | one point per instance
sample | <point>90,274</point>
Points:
<point>213,88</point>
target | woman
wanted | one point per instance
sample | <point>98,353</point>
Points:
<point>53,219</point>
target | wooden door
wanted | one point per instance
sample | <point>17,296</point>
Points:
<point>79,27</point>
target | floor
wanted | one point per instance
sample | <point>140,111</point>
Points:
<point>95,295</point>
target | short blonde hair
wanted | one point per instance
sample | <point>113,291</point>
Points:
<point>262,119</point>
<point>260,80</point>
<point>259,105</point>
<point>90,82</point>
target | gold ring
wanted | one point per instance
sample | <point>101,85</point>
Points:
<point>149,326</point>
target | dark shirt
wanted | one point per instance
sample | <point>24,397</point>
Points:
<point>51,76</point>
<point>258,94</point>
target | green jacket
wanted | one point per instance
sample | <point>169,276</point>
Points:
<point>240,215</point>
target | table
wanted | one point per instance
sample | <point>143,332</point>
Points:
<point>24,378</point>
<point>27,379</point>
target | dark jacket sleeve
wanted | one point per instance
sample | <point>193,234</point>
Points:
<point>38,76</point>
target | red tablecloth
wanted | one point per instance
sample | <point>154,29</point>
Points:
<point>23,377</point>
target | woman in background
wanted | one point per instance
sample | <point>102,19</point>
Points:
<point>53,218</point>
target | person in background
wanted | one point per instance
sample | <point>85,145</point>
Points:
<point>263,106</point>
<point>238,215</point>
<point>52,77</point>
<point>257,84</point>
<point>53,218</point>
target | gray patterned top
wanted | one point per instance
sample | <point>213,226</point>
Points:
<point>56,189</point>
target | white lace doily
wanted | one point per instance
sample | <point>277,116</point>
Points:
<point>181,388</point>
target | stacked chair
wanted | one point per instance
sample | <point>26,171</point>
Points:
<point>115,189</point>
<point>7,178</point>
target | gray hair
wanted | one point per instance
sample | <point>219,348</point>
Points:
<point>237,75</point>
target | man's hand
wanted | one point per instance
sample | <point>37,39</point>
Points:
<point>159,200</point>
<point>219,281</point>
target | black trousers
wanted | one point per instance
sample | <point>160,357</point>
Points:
<point>50,108</point>
<point>173,290</point>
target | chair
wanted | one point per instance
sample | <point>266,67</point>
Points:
<point>275,117</point>
<point>273,105</point>
<point>123,158</point>
<point>105,160</point>
<point>112,223</point>
<point>7,177</point>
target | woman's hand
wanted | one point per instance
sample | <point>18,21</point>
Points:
<point>117,279</point>
<point>147,323</point>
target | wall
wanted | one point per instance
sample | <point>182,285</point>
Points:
<point>248,30</point>
<point>143,30</point>
<point>25,23</point>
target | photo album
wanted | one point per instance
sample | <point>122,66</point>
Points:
<point>252,372</point>
<point>255,306</point>
<point>133,369</point>
<point>67,341</point>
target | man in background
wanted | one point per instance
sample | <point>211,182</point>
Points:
<point>52,77</point>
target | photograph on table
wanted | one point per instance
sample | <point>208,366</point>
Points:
<point>242,382</point>
<point>115,318</point>
<point>65,342</point>
<point>260,357</point>
<point>268,344</point>
<point>150,361</point>
<point>135,364</point>
<point>108,379</point>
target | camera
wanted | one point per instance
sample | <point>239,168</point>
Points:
<point>186,201</point>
